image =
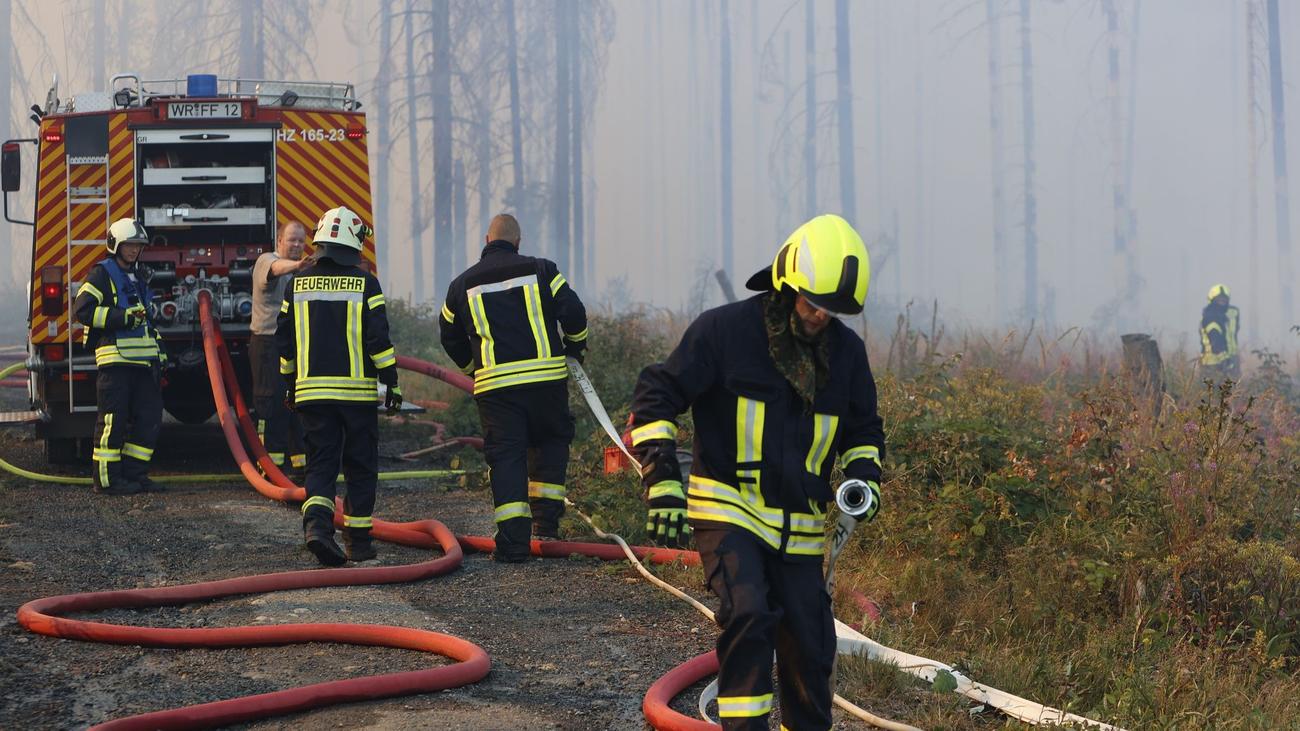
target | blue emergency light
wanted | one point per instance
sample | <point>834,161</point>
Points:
<point>201,85</point>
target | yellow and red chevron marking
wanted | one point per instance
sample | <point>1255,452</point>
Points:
<point>121,168</point>
<point>50,248</point>
<point>315,175</point>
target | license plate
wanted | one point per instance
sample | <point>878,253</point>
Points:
<point>204,110</point>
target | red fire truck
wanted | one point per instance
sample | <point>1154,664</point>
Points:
<point>212,167</point>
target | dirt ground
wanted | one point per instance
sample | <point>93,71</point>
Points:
<point>574,643</point>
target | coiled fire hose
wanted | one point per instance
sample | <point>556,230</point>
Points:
<point>852,501</point>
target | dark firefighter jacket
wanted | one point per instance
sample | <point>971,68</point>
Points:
<point>332,333</point>
<point>762,459</point>
<point>1219,327</point>
<point>499,320</point>
<point>101,305</point>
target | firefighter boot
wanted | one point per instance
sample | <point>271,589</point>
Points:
<point>136,471</point>
<point>318,528</point>
<point>359,545</point>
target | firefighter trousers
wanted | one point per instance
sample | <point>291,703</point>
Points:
<point>345,435</point>
<point>769,604</point>
<point>126,429</point>
<point>526,436</point>
<point>279,428</point>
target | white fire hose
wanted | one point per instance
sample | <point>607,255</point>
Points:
<point>854,500</point>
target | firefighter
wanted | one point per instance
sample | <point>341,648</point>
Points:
<point>1220,326</point>
<point>510,320</point>
<point>113,306</point>
<point>779,389</point>
<point>332,333</point>
<point>280,429</point>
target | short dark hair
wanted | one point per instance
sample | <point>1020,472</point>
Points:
<point>504,227</point>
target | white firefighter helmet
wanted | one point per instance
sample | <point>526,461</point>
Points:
<point>340,233</point>
<point>126,230</point>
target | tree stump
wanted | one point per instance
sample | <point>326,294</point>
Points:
<point>1144,369</point>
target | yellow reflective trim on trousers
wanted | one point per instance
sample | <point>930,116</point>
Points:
<point>376,301</point>
<point>556,282</point>
<point>302,335</point>
<point>277,458</point>
<point>318,501</point>
<point>107,455</point>
<point>103,455</point>
<point>744,706</point>
<point>661,429</point>
<point>135,451</point>
<point>358,521</point>
<point>484,330</point>
<point>100,317</point>
<point>509,511</point>
<point>533,303</point>
<point>861,452</point>
<point>261,431</point>
<point>384,358</point>
<point>519,380</point>
<point>824,426</point>
<point>711,490</point>
<point>447,314</point>
<point>298,460</point>
<point>545,490</point>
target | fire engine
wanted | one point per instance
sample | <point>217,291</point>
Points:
<point>212,167</point>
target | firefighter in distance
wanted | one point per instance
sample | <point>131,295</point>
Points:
<point>332,333</point>
<point>1220,326</point>
<point>113,306</point>
<point>509,321</point>
<point>780,391</point>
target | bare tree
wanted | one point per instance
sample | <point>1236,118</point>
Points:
<point>844,105</point>
<point>440,20</point>
<point>810,111</point>
<point>413,164</point>
<point>724,93</point>
<point>1031,199</point>
<point>380,119</point>
<point>997,168</point>
<point>1281,196</point>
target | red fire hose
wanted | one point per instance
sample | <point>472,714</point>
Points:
<point>41,615</point>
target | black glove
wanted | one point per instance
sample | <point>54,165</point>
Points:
<point>666,522</point>
<point>576,351</point>
<point>870,515</point>
<point>393,399</point>
<point>290,401</point>
<point>135,316</point>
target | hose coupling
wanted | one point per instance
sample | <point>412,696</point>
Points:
<point>854,498</point>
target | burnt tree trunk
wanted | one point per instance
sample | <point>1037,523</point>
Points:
<point>1281,195</point>
<point>724,136</point>
<point>443,241</point>
<point>561,178</point>
<point>413,169</point>
<point>844,105</point>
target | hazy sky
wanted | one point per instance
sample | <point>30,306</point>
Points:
<point>922,150</point>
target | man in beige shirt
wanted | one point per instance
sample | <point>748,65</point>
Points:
<point>278,427</point>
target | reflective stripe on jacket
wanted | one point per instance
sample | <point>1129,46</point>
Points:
<point>508,319</point>
<point>762,460</point>
<point>101,304</point>
<point>1219,329</point>
<point>332,334</point>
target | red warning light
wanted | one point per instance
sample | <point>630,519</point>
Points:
<point>356,133</point>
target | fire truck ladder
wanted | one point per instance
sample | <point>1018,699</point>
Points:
<point>89,192</point>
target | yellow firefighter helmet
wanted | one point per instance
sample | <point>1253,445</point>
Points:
<point>825,261</point>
